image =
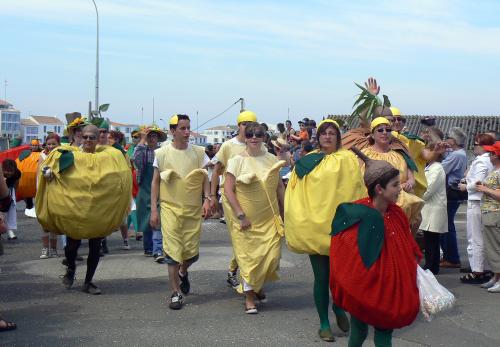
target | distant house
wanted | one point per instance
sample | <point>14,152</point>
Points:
<point>219,134</point>
<point>126,129</point>
<point>197,139</point>
<point>38,127</point>
<point>10,118</point>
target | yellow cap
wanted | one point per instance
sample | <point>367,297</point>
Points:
<point>35,142</point>
<point>328,120</point>
<point>174,120</point>
<point>247,116</point>
<point>379,121</point>
<point>395,111</point>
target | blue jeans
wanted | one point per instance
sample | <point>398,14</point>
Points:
<point>449,240</point>
<point>157,242</point>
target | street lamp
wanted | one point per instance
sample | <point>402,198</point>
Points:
<point>97,64</point>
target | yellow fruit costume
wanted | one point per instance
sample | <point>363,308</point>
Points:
<point>27,163</point>
<point>89,194</point>
<point>181,187</point>
<point>257,249</point>
<point>311,201</point>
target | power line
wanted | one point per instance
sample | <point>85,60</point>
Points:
<point>219,114</point>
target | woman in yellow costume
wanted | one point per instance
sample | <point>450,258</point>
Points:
<point>84,194</point>
<point>255,193</point>
<point>380,141</point>
<point>321,181</point>
<point>179,181</point>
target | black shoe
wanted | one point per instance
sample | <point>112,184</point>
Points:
<point>185,285</point>
<point>79,258</point>
<point>176,301</point>
<point>68,278</point>
<point>64,262</point>
<point>159,258</point>
<point>91,288</point>
<point>232,280</point>
<point>104,246</point>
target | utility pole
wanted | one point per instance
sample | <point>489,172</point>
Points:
<point>242,102</point>
<point>197,121</point>
<point>142,115</point>
<point>153,110</point>
<point>97,63</point>
<point>288,116</point>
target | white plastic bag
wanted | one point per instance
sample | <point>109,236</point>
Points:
<point>434,298</point>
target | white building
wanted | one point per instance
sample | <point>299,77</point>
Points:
<point>126,129</point>
<point>219,134</point>
<point>197,139</point>
<point>10,118</point>
<point>38,127</point>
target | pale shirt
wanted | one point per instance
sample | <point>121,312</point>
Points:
<point>478,171</point>
<point>206,159</point>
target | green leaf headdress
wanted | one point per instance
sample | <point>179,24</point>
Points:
<point>365,104</point>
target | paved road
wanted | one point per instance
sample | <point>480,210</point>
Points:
<point>133,308</point>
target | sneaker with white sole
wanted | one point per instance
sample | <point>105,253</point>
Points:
<point>489,284</point>
<point>126,246</point>
<point>45,253</point>
<point>176,301</point>
<point>232,280</point>
<point>495,288</point>
<point>11,235</point>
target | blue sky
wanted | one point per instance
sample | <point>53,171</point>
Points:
<point>430,57</point>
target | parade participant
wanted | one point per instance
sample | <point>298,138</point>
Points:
<point>478,170</point>
<point>75,125</point>
<point>283,153</point>
<point>49,239</point>
<point>144,156</point>
<point>72,183</point>
<point>12,176</point>
<point>115,139</point>
<point>454,165</point>
<point>228,150</point>
<point>332,172</point>
<point>373,258</point>
<point>179,183</point>
<point>132,217</point>
<point>255,193</point>
<point>27,163</point>
<point>490,216</point>
<point>381,136</point>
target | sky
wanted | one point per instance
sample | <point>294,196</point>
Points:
<point>283,57</point>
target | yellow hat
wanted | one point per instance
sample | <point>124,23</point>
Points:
<point>174,120</point>
<point>395,111</point>
<point>379,121</point>
<point>247,116</point>
<point>328,120</point>
<point>35,142</point>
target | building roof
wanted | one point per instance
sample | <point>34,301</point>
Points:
<point>224,127</point>
<point>195,134</point>
<point>47,120</point>
<point>115,124</point>
<point>28,122</point>
<point>4,104</point>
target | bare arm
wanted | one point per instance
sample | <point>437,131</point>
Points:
<point>154,220</point>
<point>206,201</point>
<point>281,198</point>
<point>494,193</point>
<point>4,190</point>
<point>213,185</point>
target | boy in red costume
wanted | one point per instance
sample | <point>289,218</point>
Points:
<point>373,258</point>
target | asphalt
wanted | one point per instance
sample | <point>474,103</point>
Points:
<point>133,309</point>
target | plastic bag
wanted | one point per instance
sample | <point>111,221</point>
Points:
<point>434,298</point>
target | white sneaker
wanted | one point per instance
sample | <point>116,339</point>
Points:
<point>495,288</point>
<point>11,235</point>
<point>45,253</point>
<point>489,284</point>
<point>126,246</point>
<point>30,212</point>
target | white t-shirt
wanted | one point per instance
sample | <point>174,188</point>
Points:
<point>206,160</point>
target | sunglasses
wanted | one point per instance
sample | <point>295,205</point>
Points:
<point>103,131</point>
<point>89,137</point>
<point>136,137</point>
<point>382,130</point>
<point>397,119</point>
<point>258,135</point>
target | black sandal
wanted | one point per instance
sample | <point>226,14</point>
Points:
<point>8,325</point>
<point>475,278</point>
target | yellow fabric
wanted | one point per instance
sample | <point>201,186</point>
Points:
<point>257,249</point>
<point>395,111</point>
<point>174,120</point>
<point>411,204</point>
<point>379,121</point>
<point>311,201</point>
<point>247,116</point>
<point>328,120</point>
<point>181,188</point>
<point>27,183</point>
<point>88,200</point>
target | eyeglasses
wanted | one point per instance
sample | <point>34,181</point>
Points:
<point>103,131</point>
<point>381,130</point>
<point>258,135</point>
<point>136,137</point>
<point>89,137</point>
<point>397,119</point>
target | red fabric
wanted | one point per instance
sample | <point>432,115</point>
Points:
<point>13,153</point>
<point>135,185</point>
<point>386,294</point>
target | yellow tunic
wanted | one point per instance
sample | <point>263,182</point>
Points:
<point>89,199</point>
<point>181,187</point>
<point>411,204</point>
<point>311,201</point>
<point>258,249</point>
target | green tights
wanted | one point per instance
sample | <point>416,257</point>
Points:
<point>321,270</point>
<point>132,219</point>
<point>359,332</point>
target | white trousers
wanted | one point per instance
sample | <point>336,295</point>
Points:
<point>475,243</point>
<point>246,286</point>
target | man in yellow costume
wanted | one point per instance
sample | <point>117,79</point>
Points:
<point>228,150</point>
<point>180,183</point>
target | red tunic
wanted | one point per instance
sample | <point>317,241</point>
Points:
<point>384,295</point>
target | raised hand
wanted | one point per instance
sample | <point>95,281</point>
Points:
<point>371,86</point>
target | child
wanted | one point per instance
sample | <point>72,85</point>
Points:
<point>12,176</point>
<point>373,258</point>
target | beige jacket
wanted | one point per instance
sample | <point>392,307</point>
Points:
<point>434,213</point>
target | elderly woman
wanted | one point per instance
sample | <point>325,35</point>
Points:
<point>255,192</point>
<point>321,181</point>
<point>490,213</point>
<point>380,140</point>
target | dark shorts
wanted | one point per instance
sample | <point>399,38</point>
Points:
<point>170,261</point>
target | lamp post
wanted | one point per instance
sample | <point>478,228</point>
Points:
<point>97,64</point>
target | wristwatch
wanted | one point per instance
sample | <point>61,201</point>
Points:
<point>208,198</point>
<point>241,216</point>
